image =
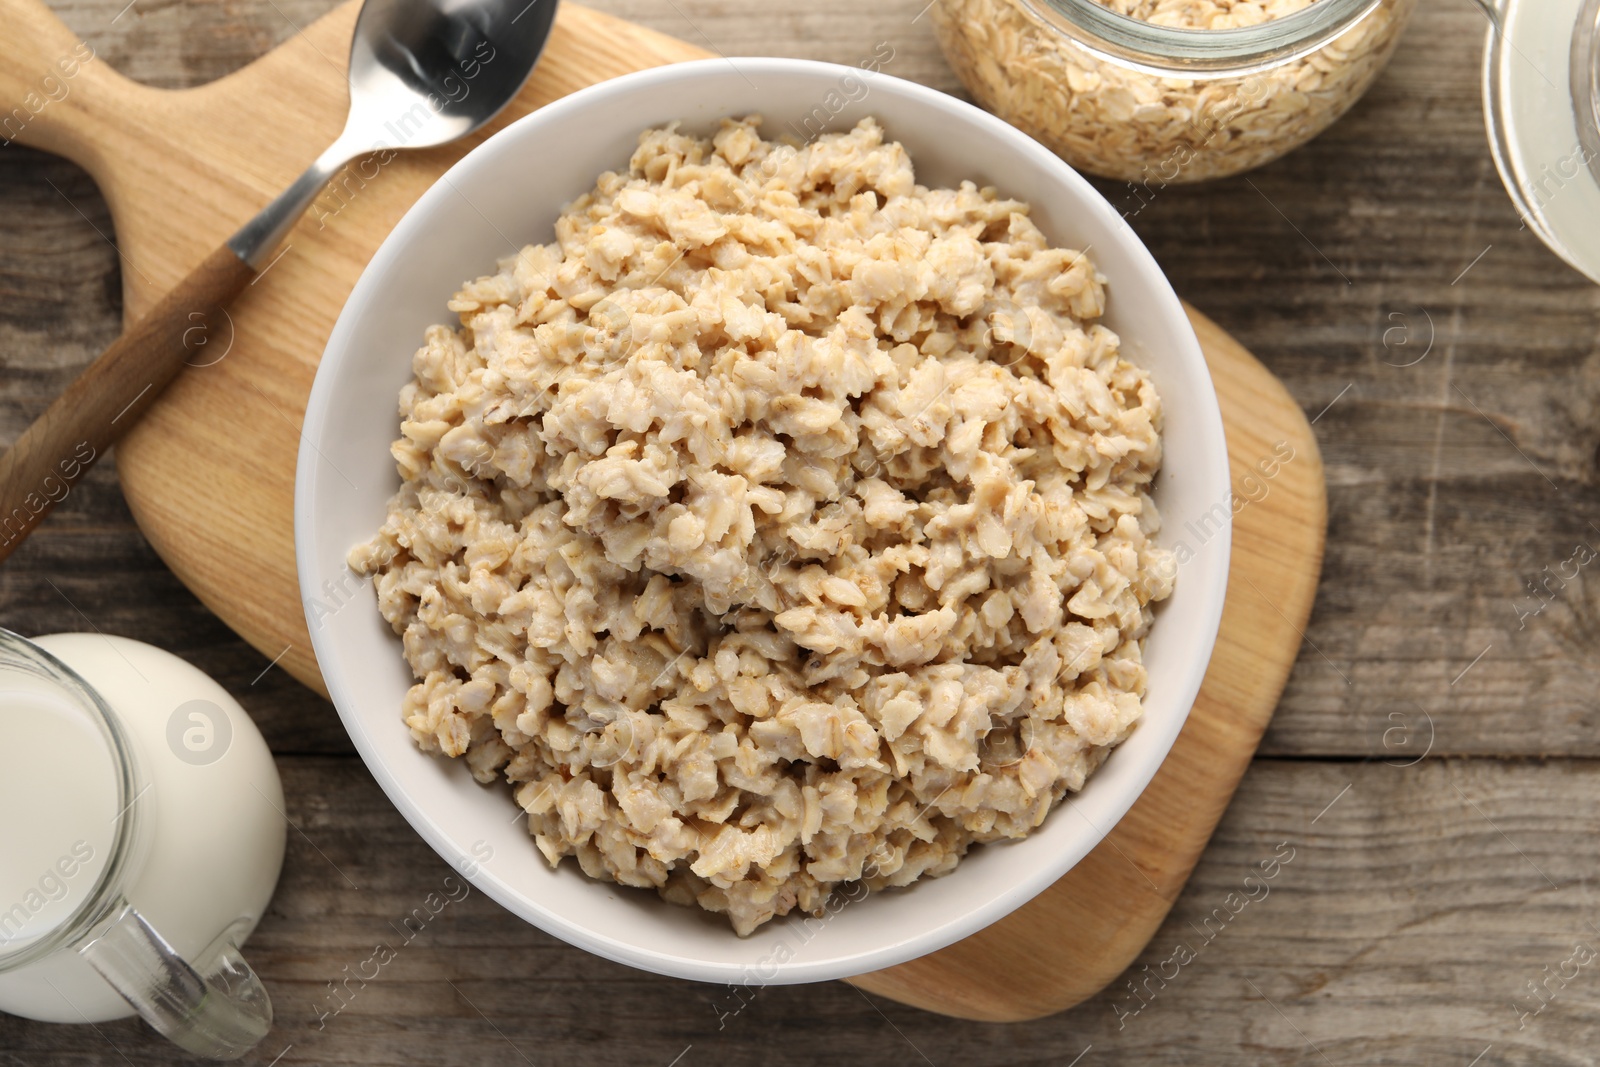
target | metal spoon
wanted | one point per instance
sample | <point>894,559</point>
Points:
<point>422,73</point>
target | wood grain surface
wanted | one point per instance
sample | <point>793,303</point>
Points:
<point>43,464</point>
<point>1419,904</point>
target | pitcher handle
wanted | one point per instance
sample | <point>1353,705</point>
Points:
<point>216,1008</point>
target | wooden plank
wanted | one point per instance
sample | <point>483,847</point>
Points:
<point>1401,930</point>
<point>1389,194</point>
<point>1383,194</point>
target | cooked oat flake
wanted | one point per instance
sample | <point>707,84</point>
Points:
<point>783,524</point>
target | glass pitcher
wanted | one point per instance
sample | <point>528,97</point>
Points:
<point>141,833</point>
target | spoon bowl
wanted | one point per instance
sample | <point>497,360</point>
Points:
<point>447,68</point>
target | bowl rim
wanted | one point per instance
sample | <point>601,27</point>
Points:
<point>341,685</point>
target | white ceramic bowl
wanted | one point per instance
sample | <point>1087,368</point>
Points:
<point>507,193</point>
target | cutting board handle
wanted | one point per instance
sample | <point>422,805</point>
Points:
<point>53,88</point>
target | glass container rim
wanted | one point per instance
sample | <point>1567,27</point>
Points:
<point>1585,77</point>
<point>1583,57</point>
<point>105,895</point>
<point>1169,49</point>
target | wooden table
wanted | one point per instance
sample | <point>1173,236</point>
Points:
<point>1433,765</point>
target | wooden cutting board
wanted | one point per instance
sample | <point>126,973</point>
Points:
<point>209,473</point>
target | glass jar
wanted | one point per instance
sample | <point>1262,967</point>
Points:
<point>1541,90</point>
<point>1147,103</point>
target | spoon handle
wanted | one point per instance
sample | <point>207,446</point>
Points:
<point>189,325</point>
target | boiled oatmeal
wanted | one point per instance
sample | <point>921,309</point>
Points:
<point>783,524</point>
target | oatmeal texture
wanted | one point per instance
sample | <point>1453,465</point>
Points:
<point>1151,130</point>
<point>782,525</point>
<point>1205,14</point>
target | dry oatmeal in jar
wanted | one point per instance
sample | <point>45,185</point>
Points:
<point>1158,92</point>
